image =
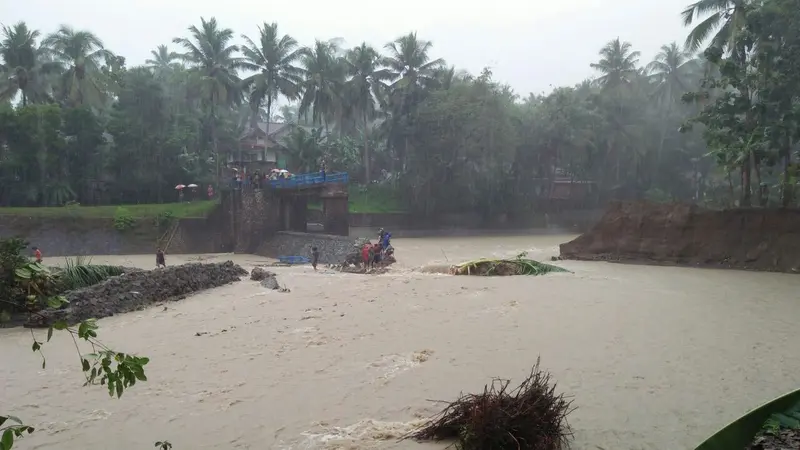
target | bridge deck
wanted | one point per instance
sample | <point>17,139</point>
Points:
<point>309,180</point>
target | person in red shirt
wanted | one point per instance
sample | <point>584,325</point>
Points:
<point>37,254</point>
<point>210,191</point>
<point>365,254</point>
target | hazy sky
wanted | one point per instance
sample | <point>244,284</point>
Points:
<point>528,44</point>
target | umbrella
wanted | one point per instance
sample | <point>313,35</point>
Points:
<point>192,185</point>
<point>283,171</point>
<point>275,170</point>
<point>179,187</point>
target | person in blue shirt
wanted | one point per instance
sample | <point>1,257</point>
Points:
<point>385,243</point>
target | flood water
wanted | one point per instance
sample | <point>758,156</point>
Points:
<point>655,357</point>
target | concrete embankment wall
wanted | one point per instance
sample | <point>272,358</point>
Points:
<point>332,249</point>
<point>643,232</point>
<point>83,236</point>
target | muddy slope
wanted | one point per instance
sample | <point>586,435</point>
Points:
<point>650,233</point>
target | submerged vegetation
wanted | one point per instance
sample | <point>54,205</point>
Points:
<point>504,267</point>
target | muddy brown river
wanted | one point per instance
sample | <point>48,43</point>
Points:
<point>655,357</point>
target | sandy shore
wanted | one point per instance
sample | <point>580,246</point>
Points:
<point>655,357</point>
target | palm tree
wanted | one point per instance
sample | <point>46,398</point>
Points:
<point>82,55</point>
<point>25,67</point>
<point>273,59</point>
<point>725,16</point>
<point>210,54</point>
<point>364,87</point>
<point>304,147</point>
<point>617,63</point>
<point>322,87</point>
<point>671,70</point>
<point>409,62</point>
<point>410,66</point>
<point>163,60</point>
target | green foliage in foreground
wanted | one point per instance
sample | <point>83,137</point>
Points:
<point>29,286</point>
<point>503,267</point>
<point>32,286</point>
<point>768,418</point>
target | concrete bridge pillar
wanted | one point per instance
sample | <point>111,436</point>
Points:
<point>336,218</point>
<point>293,213</point>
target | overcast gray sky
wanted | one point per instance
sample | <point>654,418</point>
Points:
<point>529,44</point>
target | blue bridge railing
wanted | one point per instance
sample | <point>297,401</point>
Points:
<point>309,179</point>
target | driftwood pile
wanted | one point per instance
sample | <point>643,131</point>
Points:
<point>529,417</point>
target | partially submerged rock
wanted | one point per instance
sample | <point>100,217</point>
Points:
<point>258,274</point>
<point>270,283</point>
<point>137,290</point>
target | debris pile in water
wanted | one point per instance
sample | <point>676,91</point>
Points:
<point>504,267</point>
<point>530,417</point>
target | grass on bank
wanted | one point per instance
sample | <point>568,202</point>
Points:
<point>196,209</point>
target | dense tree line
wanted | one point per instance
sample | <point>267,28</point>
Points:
<point>689,125</point>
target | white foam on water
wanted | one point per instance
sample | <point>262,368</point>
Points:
<point>364,434</point>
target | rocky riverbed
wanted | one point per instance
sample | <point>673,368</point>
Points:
<point>139,289</point>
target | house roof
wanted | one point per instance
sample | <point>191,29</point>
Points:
<point>274,127</point>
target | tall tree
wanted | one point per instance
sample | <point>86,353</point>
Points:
<point>671,71</point>
<point>618,64</point>
<point>163,60</point>
<point>411,66</point>
<point>726,17</point>
<point>274,60</point>
<point>82,55</point>
<point>26,67</point>
<point>323,81</point>
<point>209,52</point>
<point>365,86</point>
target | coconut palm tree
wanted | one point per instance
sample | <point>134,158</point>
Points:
<point>163,60</point>
<point>323,81</point>
<point>726,17</point>
<point>210,54</point>
<point>617,64</point>
<point>671,72</point>
<point>25,67</point>
<point>411,67</point>
<point>82,56</point>
<point>366,84</point>
<point>409,61</point>
<point>274,60</point>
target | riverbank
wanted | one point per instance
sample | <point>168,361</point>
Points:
<point>348,361</point>
<point>679,234</point>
